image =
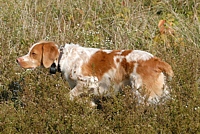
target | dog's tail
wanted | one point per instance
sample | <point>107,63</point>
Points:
<point>166,68</point>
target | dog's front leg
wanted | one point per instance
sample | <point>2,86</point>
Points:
<point>76,91</point>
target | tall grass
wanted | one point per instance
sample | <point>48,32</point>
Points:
<point>36,102</point>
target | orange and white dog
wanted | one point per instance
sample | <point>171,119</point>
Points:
<point>100,71</point>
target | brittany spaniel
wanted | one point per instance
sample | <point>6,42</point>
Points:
<point>102,72</point>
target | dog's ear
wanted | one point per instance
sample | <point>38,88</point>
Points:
<point>50,54</point>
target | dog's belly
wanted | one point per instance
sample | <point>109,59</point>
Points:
<point>107,87</point>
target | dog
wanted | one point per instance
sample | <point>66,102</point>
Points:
<point>96,71</point>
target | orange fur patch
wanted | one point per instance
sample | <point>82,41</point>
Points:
<point>123,71</point>
<point>101,62</point>
<point>150,71</point>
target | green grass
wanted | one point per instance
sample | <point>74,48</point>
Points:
<point>36,102</point>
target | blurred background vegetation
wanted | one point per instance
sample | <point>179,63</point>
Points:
<point>36,102</point>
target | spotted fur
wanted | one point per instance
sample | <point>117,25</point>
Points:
<point>98,71</point>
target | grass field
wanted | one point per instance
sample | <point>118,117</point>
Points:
<point>37,102</point>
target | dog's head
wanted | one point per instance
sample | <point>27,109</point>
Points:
<point>43,53</point>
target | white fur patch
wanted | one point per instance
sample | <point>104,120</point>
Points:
<point>138,55</point>
<point>136,80</point>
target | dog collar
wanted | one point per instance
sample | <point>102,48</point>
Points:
<point>54,68</point>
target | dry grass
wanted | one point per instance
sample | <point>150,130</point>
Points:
<point>36,102</point>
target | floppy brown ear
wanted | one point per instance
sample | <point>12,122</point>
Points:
<point>50,54</point>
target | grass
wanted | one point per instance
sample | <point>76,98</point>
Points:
<point>36,102</point>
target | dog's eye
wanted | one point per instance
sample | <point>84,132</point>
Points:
<point>33,53</point>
